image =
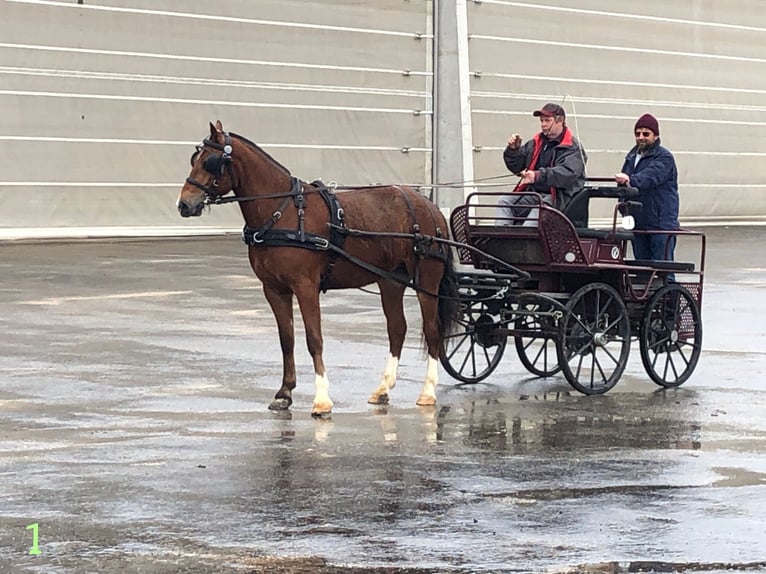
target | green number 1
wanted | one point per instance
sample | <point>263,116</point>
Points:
<point>35,549</point>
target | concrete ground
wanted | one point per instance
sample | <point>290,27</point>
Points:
<point>134,433</point>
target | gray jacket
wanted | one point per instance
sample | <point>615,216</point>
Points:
<point>564,177</point>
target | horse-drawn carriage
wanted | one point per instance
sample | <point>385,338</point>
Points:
<point>565,292</point>
<point>569,297</point>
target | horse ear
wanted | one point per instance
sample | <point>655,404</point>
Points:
<point>219,126</point>
<point>212,131</point>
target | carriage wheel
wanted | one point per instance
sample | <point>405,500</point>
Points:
<point>671,336</point>
<point>594,339</point>
<point>471,355</point>
<point>537,350</point>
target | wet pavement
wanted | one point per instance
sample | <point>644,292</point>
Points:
<point>134,431</point>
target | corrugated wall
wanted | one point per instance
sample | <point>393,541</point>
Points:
<point>103,101</point>
<point>697,65</point>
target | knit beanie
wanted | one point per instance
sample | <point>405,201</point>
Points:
<point>648,121</point>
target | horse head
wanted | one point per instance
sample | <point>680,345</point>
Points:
<point>211,174</point>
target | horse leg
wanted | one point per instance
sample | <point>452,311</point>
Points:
<point>429,312</point>
<point>282,306</point>
<point>392,299</point>
<point>308,301</point>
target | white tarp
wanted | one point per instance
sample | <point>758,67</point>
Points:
<point>103,101</point>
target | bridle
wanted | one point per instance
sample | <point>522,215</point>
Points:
<point>216,165</point>
<point>219,163</point>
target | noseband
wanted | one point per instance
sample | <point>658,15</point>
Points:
<point>216,165</point>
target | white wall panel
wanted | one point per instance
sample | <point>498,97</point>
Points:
<point>104,101</point>
<point>698,65</point>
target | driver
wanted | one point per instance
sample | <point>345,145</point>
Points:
<point>552,164</point>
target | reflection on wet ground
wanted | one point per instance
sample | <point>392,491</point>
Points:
<point>134,432</point>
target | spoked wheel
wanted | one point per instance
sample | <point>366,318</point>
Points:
<point>594,339</point>
<point>537,346</point>
<point>471,355</point>
<point>671,336</point>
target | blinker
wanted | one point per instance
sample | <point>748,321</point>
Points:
<point>214,164</point>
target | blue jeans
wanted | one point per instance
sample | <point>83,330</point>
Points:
<point>653,246</point>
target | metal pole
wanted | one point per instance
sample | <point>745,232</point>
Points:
<point>452,155</point>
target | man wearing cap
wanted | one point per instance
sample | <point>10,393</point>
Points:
<point>651,168</point>
<point>552,164</point>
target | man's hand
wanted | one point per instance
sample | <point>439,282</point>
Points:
<point>514,142</point>
<point>622,179</point>
<point>528,176</point>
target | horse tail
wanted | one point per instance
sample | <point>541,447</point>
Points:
<point>449,306</point>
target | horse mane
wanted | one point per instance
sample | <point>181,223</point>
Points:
<point>260,150</point>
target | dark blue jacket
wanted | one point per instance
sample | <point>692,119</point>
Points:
<point>656,177</point>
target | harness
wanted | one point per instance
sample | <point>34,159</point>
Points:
<point>267,235</point>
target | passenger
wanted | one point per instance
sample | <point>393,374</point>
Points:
<point>552,163</point>
<point>651,168</point>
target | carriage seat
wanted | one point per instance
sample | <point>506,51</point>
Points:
<point>677,266</point>
<point>578,210</point>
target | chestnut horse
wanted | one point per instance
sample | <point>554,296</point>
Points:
<point>303,239</point>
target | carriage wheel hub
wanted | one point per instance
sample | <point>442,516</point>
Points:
<point>600,339</point>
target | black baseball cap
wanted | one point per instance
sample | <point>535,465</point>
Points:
<point>550,110</point>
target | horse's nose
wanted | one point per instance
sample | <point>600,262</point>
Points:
<point>185,209</point>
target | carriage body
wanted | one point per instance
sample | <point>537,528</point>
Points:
<point>569,295</point>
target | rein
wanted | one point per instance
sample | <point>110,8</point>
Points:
<point>219,200</point>
<point>414,236</point>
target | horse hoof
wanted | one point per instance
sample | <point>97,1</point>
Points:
<point>321,416</point>
<point>378,399</point>
<point>426,401</point>
<point>280,404</point>
<point>321,410</point>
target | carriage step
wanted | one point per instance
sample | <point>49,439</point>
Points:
<point>488,280</point>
